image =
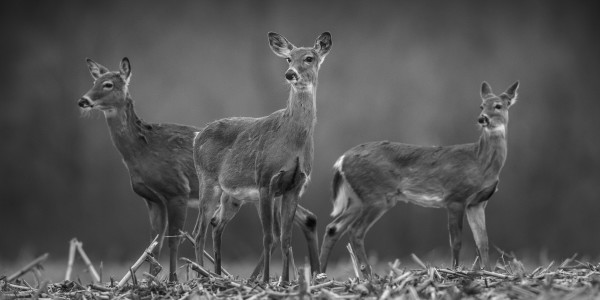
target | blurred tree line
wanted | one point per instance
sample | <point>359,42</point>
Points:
<point>399,71</point>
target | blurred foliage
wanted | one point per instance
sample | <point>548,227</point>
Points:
<point>400,71</point>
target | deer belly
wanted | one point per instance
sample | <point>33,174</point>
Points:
<point>243,193</point>
<point>426,199</point>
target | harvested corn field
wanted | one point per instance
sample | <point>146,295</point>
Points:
<point>510,279</point>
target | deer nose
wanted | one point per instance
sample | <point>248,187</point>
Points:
<point>483,120</point>
<point>84,102</point>
<point>291,75</point>
<point>213,221</point>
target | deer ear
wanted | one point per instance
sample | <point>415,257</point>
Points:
<point>96,69</point>
<point>323,45</point>
<point>511,93</point>
<point>280,45</point>
<point>125,69</point>
<point>486,90</point>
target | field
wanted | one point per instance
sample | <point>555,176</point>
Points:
<point>414,279</point>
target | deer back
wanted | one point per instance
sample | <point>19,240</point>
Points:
<point>428,176</point>
<point>243,152</point>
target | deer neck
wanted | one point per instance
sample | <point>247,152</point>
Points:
<point>491,151</point>
<point>127,130</point>
<point>301,109</point>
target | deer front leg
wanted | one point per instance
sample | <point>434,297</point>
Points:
<point>307,221</point>
<point>209,198</point>
<point>455,223</point>
<point>258,269</point>
<point>476,219</point>
<point>158,217</point>
<point>289,202</point>
<point>334,231</point>
<point>200,236</point>
<point>158,223</point>
<point>358,231</point>
<point>177,209</point>
<point>266,218</point>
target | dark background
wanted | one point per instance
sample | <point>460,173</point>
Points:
<point>407,72</point>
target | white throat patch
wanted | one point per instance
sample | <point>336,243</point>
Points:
<point>497,129</point>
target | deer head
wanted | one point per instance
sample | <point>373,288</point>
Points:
<point>110,89</point>
<point>304,62</point>
<point>494,109</point>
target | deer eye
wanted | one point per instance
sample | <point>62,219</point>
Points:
<point>498,106</point>
<point>289,60</point>
<point>107,85</point>
<point>309,59</point>
<point>481,107</point>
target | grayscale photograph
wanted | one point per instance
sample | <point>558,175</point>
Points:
<point>299,150</point>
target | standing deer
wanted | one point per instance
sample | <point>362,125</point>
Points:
<point>159,158</point>
<point>371,178</point>
<point>259,159</point>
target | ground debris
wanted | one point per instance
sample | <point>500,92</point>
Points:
<point>573,280</point>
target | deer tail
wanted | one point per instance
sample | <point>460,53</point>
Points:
<point>341,189</point>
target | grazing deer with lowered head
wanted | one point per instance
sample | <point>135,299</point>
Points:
<point>259,159</point>
<point>159,158</point>
<point>370,178</point>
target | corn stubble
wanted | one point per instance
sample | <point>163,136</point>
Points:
<point>571,279</point>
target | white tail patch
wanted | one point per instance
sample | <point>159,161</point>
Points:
<point>341,201</point>
<point>338,164</point>
<point>344,192</point>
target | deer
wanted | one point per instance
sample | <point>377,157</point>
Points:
<point>371,178</point>
<point>266,160</point>
<point>159,158</point>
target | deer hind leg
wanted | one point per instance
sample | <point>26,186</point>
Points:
<point>177,210</point>
<point>223,215</point>
<point>456,212</point>
<point>476,219</point>
<point>358,230</point>
<point>210,194</point>
<point>307,221</point>
<point>334,231</point>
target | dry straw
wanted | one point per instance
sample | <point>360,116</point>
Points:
<point>571,279</point>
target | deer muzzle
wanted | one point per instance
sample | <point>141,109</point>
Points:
<point>483,120</point>
<point>291,75</point>
<point>84,102</point>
